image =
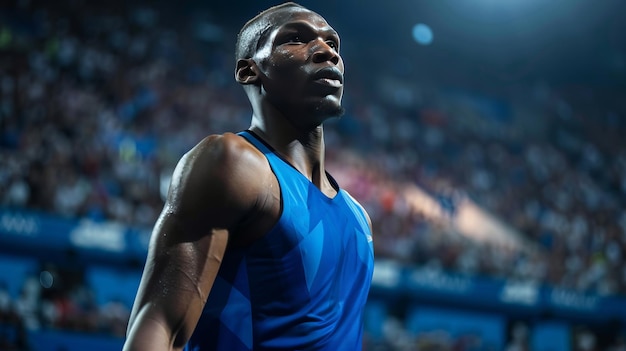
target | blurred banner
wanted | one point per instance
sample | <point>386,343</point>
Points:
<point>49,236</point>
<point>44,235</point>
<point>514,298</point>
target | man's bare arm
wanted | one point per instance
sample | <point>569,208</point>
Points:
<point>209,194</point>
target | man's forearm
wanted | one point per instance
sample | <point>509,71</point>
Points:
<point>147,334</point>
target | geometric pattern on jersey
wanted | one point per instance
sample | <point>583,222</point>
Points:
<point>303,285</point>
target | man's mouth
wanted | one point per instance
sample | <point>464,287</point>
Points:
<point>336,83</point>
<point>329,76</point>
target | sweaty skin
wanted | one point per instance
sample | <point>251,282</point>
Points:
<point>214,189</point>
<point>223,191</point>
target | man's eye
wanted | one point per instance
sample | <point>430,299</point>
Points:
<point>332,44</point>
<point>294,39</point>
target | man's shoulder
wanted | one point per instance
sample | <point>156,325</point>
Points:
<point>221,171</point>
<point>221,145</point>
<point>225,160</point>
<point>224,151</point>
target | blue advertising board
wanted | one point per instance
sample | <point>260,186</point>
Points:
<point>43,234</point>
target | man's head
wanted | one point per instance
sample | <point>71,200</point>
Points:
<point>288,56</point>
<point>250,34</point>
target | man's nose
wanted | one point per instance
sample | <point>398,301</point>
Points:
<point>324,52</point>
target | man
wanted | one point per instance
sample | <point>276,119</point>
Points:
<point>257,247</point>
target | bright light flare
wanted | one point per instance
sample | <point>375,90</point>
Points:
<point>422,34</point>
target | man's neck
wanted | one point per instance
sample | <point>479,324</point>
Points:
<point>304,150</point>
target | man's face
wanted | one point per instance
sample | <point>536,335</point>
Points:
<point>302,72</point>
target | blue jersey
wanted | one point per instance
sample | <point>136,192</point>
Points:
<point>303,285</point>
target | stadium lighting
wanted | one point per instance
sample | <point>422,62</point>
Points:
<point>422,34</point>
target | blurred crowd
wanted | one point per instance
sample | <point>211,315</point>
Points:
<point>549,163</point>
<point>97,105</point>
<point>57,299</point>
<point>519,338</point>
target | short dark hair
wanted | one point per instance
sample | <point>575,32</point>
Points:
<point>251,32</point>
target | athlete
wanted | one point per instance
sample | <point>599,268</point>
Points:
<point>257,246</point>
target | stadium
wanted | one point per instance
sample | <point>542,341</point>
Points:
<point>484,138</point>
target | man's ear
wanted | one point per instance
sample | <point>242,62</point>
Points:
<point>246,72</point>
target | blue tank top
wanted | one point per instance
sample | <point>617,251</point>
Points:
<point>303,285</point>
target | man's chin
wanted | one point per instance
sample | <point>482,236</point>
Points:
<point>330,109</point>
<point>337,112</point>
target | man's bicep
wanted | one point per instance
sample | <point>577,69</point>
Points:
<point>186,248</point>
<point>177,279</point>
<point>191,232</point>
